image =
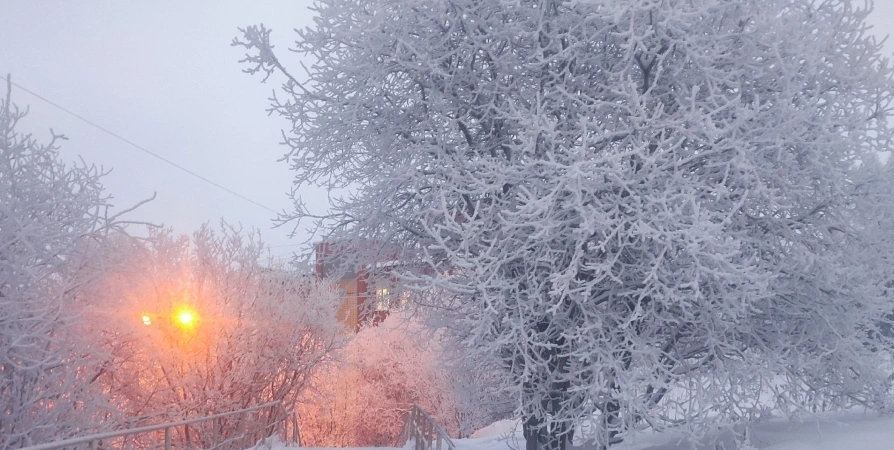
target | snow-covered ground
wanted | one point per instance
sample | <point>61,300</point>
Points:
<point>839,432</point>
<point>276,444</point>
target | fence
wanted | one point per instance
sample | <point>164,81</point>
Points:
<point>422,430</point>
<point>235,430</point>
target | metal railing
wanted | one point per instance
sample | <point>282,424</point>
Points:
<point>423,431</point>
<point>235,430</point>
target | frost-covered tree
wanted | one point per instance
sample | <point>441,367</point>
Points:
<point>874,215</point>
<point>643,209</point>
<point>47,211</point>
<point>362,397</point>
<point>192,326</point>
<point>360,400</point>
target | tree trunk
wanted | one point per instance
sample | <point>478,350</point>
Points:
<point>531,429</point>
<point>534,428</point>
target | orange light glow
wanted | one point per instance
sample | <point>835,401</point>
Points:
<point>147,320</point>
<point>185,318</point>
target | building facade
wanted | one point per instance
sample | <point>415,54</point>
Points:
<point>366,280</point>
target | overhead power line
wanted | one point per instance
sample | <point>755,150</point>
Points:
<point>139,147</point>
<point>286,245</point>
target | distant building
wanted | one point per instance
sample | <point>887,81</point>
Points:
<point>371,291</point>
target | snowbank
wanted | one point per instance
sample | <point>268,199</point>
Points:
<point>838,432</point>
<point>835,432</point>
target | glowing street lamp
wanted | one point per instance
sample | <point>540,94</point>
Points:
<point>147,320</point>
<point>185,318</point>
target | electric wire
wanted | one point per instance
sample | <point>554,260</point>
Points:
<point>139,147</point>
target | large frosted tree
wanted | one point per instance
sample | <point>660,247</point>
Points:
<point>644,210</point>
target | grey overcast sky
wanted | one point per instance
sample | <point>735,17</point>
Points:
<point>162,74</point>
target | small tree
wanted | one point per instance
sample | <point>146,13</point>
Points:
<point>47,211</point>
<point>362,398</point>
<point>643,209</point>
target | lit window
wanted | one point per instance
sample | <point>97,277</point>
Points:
<point>383,302</point>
